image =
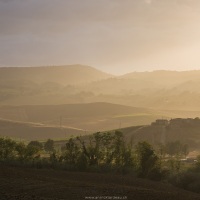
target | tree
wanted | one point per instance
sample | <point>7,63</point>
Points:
<point>36,144</point>
<point>173,148</point>
<point>108,148</point>
<point>197,164</point>
<point>49,146</point>
<point>185,150</point>
<point>28,152</point>
<point>176,148</point>
<point>122,152</point>
<point>90,151</point>
<point>72,152</point>
<point>147,160</point>
<point>7,148</point>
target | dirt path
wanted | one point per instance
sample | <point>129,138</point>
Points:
<point>44,184</point>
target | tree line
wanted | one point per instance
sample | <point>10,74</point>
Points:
<point>105,152</point>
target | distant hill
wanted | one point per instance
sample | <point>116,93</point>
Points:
<point>94,117</point>
<point>164,77</point>
<point>185,130</point>
<point>46,85</point>
<point>90,116</point>
<point>157,89</point>
<point>77,84</point>
<point>35,131</point>
<point>66,75</point>
<point>147,82</point>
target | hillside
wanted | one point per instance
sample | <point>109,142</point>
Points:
<point>90,117</point>
<point>163,131</point>
<point>46,85</point>
<point>65,75</point>
<point>35,131</point>
<point>157,89</point>
<point>166,78</point>
<point>29,184</point>
<point>161,90</point>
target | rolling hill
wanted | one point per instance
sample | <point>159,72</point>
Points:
<point>68,96</point>
<point>57,121</point>
<point>35,131</point>
<point>164,77</point>
<point>65,75</point>
<point>91,117</point>
<point>46,85</point>
<point>158,89</point>
<point>162,90</point>
<point>185,130</point>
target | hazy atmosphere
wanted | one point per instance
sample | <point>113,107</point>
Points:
<point>115,36</point>
<point>99,99</point>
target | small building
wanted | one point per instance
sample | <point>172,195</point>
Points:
<point>160,122</point>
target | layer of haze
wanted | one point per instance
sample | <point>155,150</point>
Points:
<point>115,36</point>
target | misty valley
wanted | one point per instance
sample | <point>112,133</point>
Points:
<point>99,100</point>
<point>74,132</point>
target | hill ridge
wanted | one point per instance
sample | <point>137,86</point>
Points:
<point>65,74</point>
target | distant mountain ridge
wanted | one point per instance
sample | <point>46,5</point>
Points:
<point>162,90</point>
<point>69,74</point>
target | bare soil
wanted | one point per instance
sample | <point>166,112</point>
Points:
<point>46,184</point>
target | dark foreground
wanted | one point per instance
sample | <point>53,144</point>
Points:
<point>24,183</point>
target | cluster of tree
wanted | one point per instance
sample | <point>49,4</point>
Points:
<point>11,150</point>
<point>99,149</point>
<point>110,151</point>
<point>176,148</point>
<point>100,152</point>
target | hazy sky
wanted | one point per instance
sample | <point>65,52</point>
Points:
<point>116,36</point>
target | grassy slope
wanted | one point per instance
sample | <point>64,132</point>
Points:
<point>92,116</point>
<point>154,134</point>
<point>34,131</point>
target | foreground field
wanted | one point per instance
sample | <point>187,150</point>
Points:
<point>24,183</point>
